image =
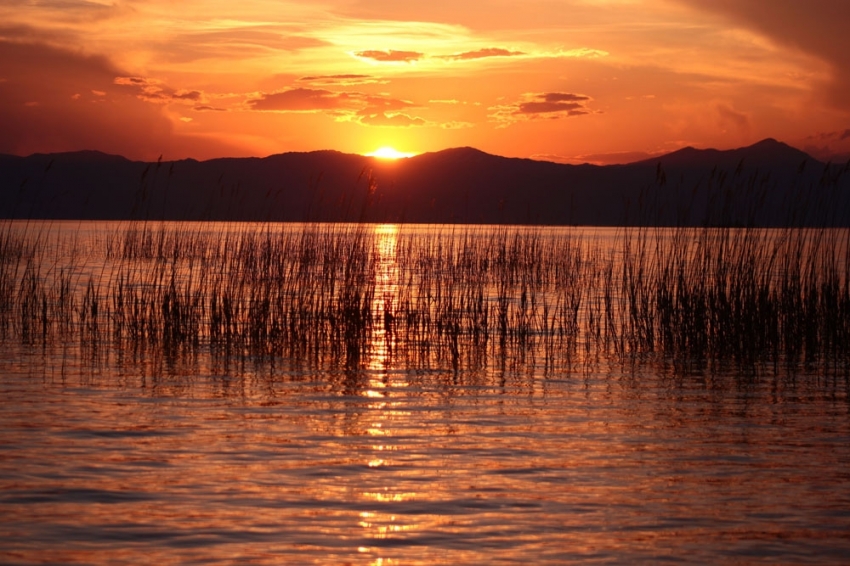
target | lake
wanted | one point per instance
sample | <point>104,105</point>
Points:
<point>384,394</point>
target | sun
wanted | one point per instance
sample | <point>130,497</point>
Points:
<point>387,152</point>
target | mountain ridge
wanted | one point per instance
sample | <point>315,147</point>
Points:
<point>770,144</point>
<point>462,184</point>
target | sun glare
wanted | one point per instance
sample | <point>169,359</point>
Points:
<point>389,153</point>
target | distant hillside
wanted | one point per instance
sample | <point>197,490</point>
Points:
<point>768,183</point>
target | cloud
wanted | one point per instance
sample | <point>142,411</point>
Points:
<point>384,111</point>
<point>73,11</point>
<point>341,80</point>
<point>581,53</point>
<point>816,27</point>
<point>192,95</point>
<point>456,125</point>
<point>369,110</point>
<point>236,43</point>
<point>389,119</point>
<point>830,136</point>
<point>482,54</point>
<point>554,102</point>
<point>390,56</point>
<point>829,146</point>
<point>153,90</point>
<point>301,100</point>
<point>550,105</point>
<point>82,107</point>
<point>205,108</point>
<point>612,158</point>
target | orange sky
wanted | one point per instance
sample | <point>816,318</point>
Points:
<point>603,81</point>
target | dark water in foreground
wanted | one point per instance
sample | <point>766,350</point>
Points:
<point>231,461</point>
<point>417,468</point>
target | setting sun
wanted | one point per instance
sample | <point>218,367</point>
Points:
<point>389,153</point>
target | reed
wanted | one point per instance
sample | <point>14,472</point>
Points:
<point>337,295</point>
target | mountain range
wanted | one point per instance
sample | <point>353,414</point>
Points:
<point>768,184</point>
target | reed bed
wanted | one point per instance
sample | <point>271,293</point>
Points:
<point>353,295</point>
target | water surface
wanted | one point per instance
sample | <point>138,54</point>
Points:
<point>111,456</point>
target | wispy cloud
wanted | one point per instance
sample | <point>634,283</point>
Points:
<point>390,56</point>
<point>366,109</point>
<point>301,100</point>
<point>611,158</point>
<point>341,80</point>
<point>482,54</point>
<point>817,27</point>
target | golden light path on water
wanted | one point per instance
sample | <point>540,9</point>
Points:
<point>383,386</point>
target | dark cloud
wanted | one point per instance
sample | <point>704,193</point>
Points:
<point>139,81</point>
<point>562,103</point>
<point>816,27</point>
<point>153,90</point>
<point>204,108</point>
<point>76,11</point>
<point>829,146</point>
<point>564,97</point>
<point>20,33</point>
<point>551,105</point>
<point>333,77</point>
<point>830,136</point>
<point>59,100</point>
<point>391,56</point>
<point>193,95</point>
<point>570,108</point>
<point>483,53</point>
<point>341,80</point>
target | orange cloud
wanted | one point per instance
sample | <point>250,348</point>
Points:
<point>65,117</point>
<point>554,103</point>
<point>483,53</point>
<point>370,110</point>
<point>301,99</point>
<point>817,27</point>
<point>390,56</point>
<point>341,80</point>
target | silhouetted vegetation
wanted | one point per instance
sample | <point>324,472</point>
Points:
<point>453,297</point>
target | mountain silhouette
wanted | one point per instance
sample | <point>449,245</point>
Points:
<point>768,184</point>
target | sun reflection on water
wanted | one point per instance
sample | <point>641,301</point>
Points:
<point>384,389</point>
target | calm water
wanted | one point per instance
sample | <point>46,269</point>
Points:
<point>124,457</point>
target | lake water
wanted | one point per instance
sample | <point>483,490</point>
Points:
<point>127,450</point>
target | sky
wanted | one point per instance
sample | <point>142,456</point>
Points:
<point>573,81</point>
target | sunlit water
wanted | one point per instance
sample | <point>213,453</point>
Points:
<point>112,457</point>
